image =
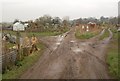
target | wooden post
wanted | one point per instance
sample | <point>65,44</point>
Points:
<point>18,45</point>
<point>5,54</point>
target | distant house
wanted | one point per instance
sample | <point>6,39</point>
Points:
<point>6,26</point>
<point>91,24</point>
<point>26,25</point>
<point>19,26</point>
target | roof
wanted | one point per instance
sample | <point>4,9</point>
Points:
<point>91,23</point>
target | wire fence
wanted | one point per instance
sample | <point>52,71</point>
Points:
<point>8,59</point>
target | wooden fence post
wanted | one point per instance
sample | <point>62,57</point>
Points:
<point>18,45</point>
<point>5,54</point>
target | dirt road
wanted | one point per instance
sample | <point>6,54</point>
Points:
<point>68,58</point>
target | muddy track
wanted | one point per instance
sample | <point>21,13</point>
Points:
<point>67,58</point>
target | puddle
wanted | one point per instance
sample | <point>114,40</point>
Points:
<point>54,48</point>
<point>84,44</point>
<point>72,41</point>
<point>77,50</point>
<point>58,43</point>
<point>60,38</point>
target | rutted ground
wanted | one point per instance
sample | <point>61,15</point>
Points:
<point>68,58</point>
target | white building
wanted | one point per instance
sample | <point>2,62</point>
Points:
<point>26,25</point>
<point>18,26</point>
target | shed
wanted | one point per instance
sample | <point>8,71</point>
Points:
<point>18,26</point>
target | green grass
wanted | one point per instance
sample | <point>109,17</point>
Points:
<point>86,35</point>
<point>112,56</point>
<point>9,31</point>
<point>46,33</point>
<point>112,60</point>
<point>27,62</point>
<point>106,34</point>
<point>35,33</point>
<point>0,76</point>
<point>43,33</point>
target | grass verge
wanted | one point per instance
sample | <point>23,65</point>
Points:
<point>46,33</point>
<point>86,35</point>
<point>0,76</point>
<point>112,56</point>
<point>26,63</point>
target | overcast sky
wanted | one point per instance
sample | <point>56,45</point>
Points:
<point>32,9</point>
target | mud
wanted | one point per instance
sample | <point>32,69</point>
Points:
<point>68,58</point>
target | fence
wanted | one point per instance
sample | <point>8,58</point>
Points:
<point>11,55</point>
<point>9,59</point>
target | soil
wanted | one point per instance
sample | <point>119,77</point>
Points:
<point>69,58</point>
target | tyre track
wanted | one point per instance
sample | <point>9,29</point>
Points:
<point>64,63</point>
